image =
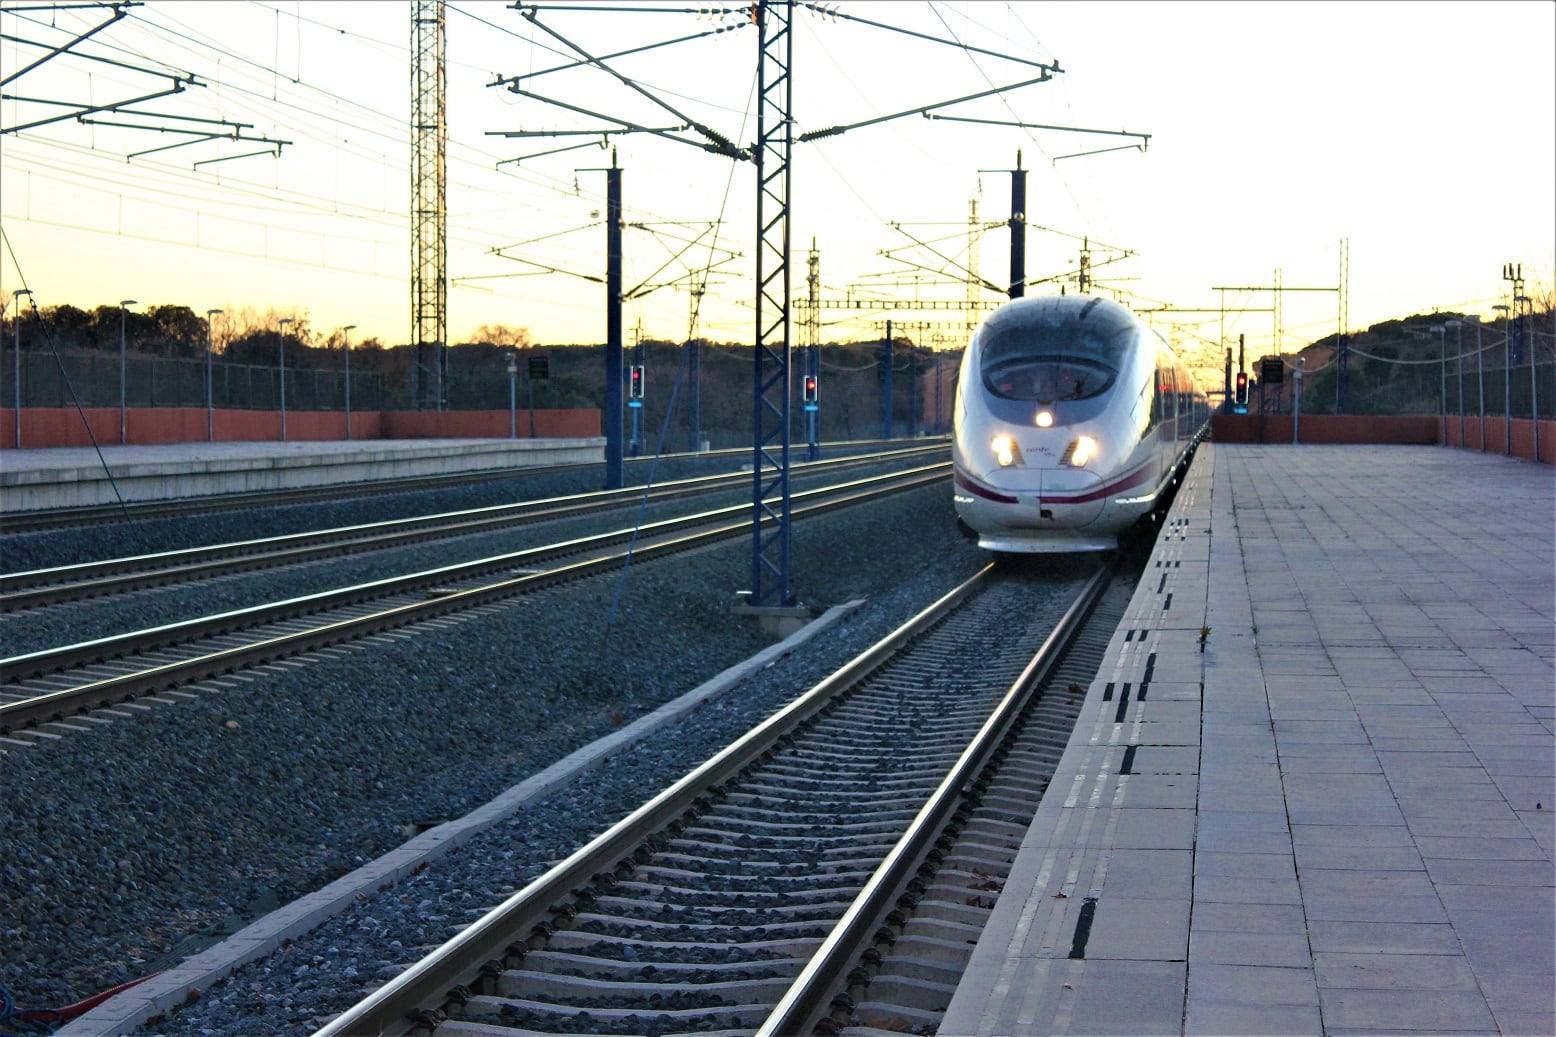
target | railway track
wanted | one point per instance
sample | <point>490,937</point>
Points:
<point>40,588</point>
<point>47,693</point>
<point>69,518</point>
<point>828,871</point>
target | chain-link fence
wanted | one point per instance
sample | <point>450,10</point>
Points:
<point>854,396</point>
<point>1459,371</point>
<point>1518,392</point>
<point>98,379</point>
<point>1378,381</point>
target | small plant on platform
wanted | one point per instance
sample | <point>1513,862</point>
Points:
<point>1204,635</point>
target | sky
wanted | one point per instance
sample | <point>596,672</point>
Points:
<point>1404,151</point>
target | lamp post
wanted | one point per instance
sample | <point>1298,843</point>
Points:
<point>1534,388</point>
<point>1296,401</point>
<point>346,331</point>
<point>1507,375</point>
<point>16,362</point>
<point>122,304</point>
<point>1458,326</point>
<point>281,352</point>
<point>1442,391</point>
<point>513,411</point>
<point>1480,379</point>
<point>210,399</point>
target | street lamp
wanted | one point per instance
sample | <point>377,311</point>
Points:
<point>1296,406</point>
<point>122,304</point>
<point>281,352</point>
<point>1507,375</point>
<point>346,333</point>
<point>210,407</point>
<point>16,361</point>
<point>513,412</point>
<point>1442,392</point>
<point>1480,378</point>
<point>1458,326</point>
<point>1534,388</point>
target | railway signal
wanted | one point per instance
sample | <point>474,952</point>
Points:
<point>1242,391</point>
<point>808,391</point>
<point>635,385</point>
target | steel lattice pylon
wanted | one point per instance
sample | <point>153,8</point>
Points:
<point>770,459</point>
<point>429,200</point>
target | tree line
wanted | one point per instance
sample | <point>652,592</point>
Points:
<point>477,377</point>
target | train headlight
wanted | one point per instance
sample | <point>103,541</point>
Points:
<point>1006,452</point>
<point>1081,451</point>
<point>1045,419</point>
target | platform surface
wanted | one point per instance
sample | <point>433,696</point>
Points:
<point>68,477</point>
<point>1311,791</point>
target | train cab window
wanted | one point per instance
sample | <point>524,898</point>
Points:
<point>1047,363</point>
<point>1047,379</point>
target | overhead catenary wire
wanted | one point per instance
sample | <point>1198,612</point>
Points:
<point>319,108</point>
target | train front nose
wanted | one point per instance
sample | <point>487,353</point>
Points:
<point>1069,498</point>
<point>1032,500</point>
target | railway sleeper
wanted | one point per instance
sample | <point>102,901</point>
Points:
<point>527,984</point>
<point>961,914</point>
<point>1026,776</point>
<point>938,949</point>
<point>549,961</point>
<point>805,911</point>
<point>965,929</point>
<point>995,831</point>
<point>849,858</point>
<point>696,933</point>
<point>967,859</point>
<point>758,874</point>
<point>906,992</point>
<point>788,814</point>
<point>896,772</point>
<point>719,898</point>
<point>983,891</point>
<point>721,823</point>
<point>928,970</point>
<point>851,797</point>
<point>646,951</point>
<point>492,1010</point>
<point>875,1018</point>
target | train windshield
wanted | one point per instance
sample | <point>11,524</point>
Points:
<point>1046,362</point>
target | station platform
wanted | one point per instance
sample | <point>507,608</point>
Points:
<point>78,477</point>
<point>1311,790</point>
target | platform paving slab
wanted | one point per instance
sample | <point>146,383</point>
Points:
<point>1371,671</point>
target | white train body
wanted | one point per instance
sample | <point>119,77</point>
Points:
<point>1072,418</point>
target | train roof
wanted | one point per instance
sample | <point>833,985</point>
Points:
<point>1062,309</point>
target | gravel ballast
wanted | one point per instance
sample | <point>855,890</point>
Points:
<point>123,850</point>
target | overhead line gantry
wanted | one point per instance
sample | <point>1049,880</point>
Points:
<point>770,588</point>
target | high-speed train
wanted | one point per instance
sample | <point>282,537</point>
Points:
<point>1072,419</point>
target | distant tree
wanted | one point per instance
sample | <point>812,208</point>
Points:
<point>171,331</point>
<point>370,355</point>
<point>1542,296</point>
<point>244,323</point>
<point>69,327</point>
<point>501,335</point>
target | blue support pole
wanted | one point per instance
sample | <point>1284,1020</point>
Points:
<point>615,468</point>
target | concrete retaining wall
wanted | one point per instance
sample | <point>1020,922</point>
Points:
<point>63,426</point>
<point>1515,438</point>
